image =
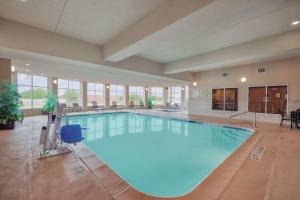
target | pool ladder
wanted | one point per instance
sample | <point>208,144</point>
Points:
<point>253,125</point>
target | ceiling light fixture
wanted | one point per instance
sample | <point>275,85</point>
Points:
<point>27,70</point>
<point>294,23</point>
<point>27,65</point>
<point>23,1</point>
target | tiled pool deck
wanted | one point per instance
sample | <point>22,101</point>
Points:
<point>83,176</point>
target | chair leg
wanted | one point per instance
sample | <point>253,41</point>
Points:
<point>281,122</point>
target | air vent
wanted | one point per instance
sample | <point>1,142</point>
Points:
<point>225,74</point>
<point>261,70</point>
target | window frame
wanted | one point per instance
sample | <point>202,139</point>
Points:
<point>172,92</point>
<point>32,87</point>
<point>265,95</point>
<point>137,93</point>
<point>224,99</point>
<point>68,89</point>
<point>110,95</point>
<point>95,93</point>
<point>150,95</point>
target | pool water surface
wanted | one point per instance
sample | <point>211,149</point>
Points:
<point>159,156</point>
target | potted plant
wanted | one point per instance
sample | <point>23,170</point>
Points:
<point>150,103</point>
<point>9,106</point>
<point>50,105</point>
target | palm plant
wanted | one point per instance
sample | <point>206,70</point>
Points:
<point>50,104</point>
<point>150,102</point>
<point>9,106</point>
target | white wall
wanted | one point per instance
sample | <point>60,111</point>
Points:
<point>281,72</point>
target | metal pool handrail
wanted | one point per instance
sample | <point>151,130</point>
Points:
<point>242,113</point>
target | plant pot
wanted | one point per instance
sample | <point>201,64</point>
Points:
<point>53,117</point>
<point>8,126</point>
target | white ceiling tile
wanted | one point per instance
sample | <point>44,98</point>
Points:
<point>43,14</point>
<point>98,21</point>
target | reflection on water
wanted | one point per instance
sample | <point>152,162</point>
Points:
<point>118,124</point>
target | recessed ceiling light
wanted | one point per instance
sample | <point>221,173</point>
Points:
<point>27,65</point>
<point>294,23</point>
<point>27,70</point>
<point>23,0</point>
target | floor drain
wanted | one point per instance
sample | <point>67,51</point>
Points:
<point>257,153</point>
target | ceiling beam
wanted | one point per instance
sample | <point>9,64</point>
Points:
<point>270,48</point>
<point>146,32</point>
<point>16,35</point>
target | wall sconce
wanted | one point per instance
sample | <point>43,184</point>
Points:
<point>13,69</point>
<point>146,89</point>
<point>182,88</point>
<point>243,79</point>
<point>55,81</point>
<point>195,83</point>
<point>107,87</point>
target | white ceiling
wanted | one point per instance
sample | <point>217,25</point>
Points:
<point>224,23</point>
<point>220,24</point>
<point>94,21</point>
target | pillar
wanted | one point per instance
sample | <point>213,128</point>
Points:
<point>84,96</point>
<point>126,96</point>
<point>107,95</point>
<point>166,91</point>
<point>5,70</point>
<point>146,89</point>
<point>183,103</point>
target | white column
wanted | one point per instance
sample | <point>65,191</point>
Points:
<point>107,95</point>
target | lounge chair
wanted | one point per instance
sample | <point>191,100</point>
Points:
<point>76,108</point>
<point>115,106</point>
<point>131,105</point>
<point>142,105</point>
<point>96,107</point>
<point>284,116</point>
<point>64,106</point>
<point>295,118</point>
<point>177,106</point>
<point>168,105</point>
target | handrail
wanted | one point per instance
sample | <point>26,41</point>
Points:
<point>242,113</point>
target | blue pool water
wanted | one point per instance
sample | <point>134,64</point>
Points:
<point>159,156</point>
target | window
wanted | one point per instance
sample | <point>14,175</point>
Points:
<point>117,94</point>
<point>174,95</point>
<point>268,99</point>
<point>231,99</point>
<point>136,94</point>
<point>157,95</point>
<point>69,92</point>
<point>225,99</point>
<point>33,90</point>
<point>95,92</point>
